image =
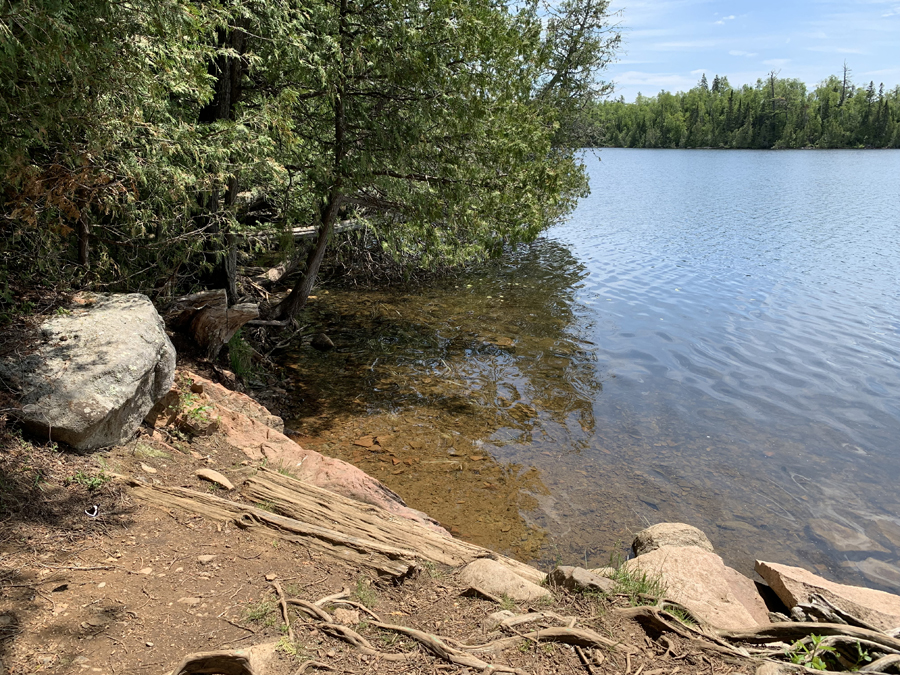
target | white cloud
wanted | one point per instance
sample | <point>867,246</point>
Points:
<point>777,63</point>
<point>722,21</point>
<point>892,12</point>
<point>737,52</point>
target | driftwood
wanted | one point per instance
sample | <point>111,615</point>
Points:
<point>358,533</point>
<point>298,233</point>
<point>311,504</point>
<point>366,553</point>
<point>208,319</point>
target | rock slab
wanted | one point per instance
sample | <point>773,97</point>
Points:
<point>580,579</point>
<point>97,371</point>
<point>214,477</point>
<point>495,578</point>
<point>699,580</point>
<point>248,426</point>
<point>794,585</point>
<point>669,534</point>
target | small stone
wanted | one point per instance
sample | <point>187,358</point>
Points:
<point>271,577</point>
<point>145,570</point>
<point>189,601</point>
<point>579,579</point>
<point>197,455</point>
<point>147,468</point>
<point>6,620</point>
<point>330,653</point>
<point>346,617</point>
<point>491,621</point>
<point>149,644</point>
<point>102,584</point>
<point>197,387</point>
<point>365,442</point>
<point>205,559</point>
<point>214,477</point>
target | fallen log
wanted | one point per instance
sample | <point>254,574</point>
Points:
<point>208,319</point>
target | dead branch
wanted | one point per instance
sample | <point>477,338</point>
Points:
<point>358,641</point>
<point>436,646</point>
<point>284,609</point>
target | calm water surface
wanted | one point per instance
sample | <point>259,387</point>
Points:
<point>713,338</point>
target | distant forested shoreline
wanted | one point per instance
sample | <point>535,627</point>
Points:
<point>773,113</point>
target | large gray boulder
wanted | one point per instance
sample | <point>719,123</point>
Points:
<point>97,370</point>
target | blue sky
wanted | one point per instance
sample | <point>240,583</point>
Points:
<point>669,44</point>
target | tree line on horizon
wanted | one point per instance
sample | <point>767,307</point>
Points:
<point>774,113</point>
<point>144,144</point>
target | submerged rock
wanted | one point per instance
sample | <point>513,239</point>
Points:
<point>99,369</point>
<point>669,534</point>
<point>880,572</point>
<point>795,585</point>
<point>321,342</point>
<point>843,538</point>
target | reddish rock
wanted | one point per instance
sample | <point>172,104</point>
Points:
<point>794,585</point>
<point>249,427</point>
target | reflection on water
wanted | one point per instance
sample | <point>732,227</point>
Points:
<point>712,339</point>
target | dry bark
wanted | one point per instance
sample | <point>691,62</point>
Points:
<point>209,320</point>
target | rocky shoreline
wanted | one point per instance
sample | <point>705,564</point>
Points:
<point>105,367</point>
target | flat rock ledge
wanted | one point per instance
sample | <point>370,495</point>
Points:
<point>99,367</point>
<point>797,586</point>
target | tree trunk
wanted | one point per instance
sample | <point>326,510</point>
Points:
<point>228,72</point>
<point>296,300</point>
<point>84,245</point>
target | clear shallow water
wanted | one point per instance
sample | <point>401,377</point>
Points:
<point>713,337</point>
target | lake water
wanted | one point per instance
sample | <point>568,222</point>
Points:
<point>713,338</point>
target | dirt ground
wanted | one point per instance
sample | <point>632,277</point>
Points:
<point>92,581</point>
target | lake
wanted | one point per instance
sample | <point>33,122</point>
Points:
<point>713,337</point>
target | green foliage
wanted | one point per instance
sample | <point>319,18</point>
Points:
<point>262,612</point>
<point>774,113</point>
<point>91,481</point>
<point>812,654</point>
<point>290,647</point>
<point>141,139</point>
<point>240,356</point>
<point>642,588</point>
